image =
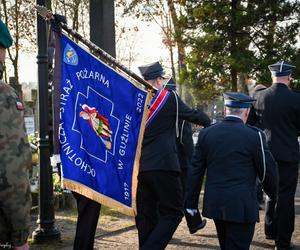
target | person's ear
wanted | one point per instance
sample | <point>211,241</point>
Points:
<point>247,112</point>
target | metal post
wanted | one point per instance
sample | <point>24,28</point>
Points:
<point>46,230</point>
<point>102,25</point>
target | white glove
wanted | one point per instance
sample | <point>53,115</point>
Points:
<point>191,211</point>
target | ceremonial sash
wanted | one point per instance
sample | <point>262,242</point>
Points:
<point>157,103</point>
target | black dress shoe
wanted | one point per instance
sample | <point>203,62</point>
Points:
<point>194,221</point>
<point>200,226</point>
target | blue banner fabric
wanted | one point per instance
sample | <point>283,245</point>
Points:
<point>102,120</point>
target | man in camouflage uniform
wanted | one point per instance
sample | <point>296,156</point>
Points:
<point>15,157</point>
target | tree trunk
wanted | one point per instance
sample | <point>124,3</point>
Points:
<point>178,37</point>
<point>180,45</point>
<point>243,87</point>
<point>233,46</point>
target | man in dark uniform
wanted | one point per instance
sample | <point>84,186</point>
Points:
<point>277,109</point>
<point>185,149</point>
<point>259,189</point>
<point>159,191</point>
<point>184,141</point>
<point>233,155</point>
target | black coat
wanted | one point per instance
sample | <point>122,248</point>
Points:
<point>277,112</point>
<point>159,151</point>
<point>232,155</point>
<point>185,144</point>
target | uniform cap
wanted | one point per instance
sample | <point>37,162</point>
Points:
<point>281,68</point>
<point>5,38</point>
<point>152,71</point>
<point>237,100</point>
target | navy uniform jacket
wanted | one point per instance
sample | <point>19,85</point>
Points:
<point>232,155</point>
<point>185,144</point>
<point>159,151</point>
<point>277,112</point>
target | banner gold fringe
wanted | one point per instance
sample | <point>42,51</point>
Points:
<point>98,197</point>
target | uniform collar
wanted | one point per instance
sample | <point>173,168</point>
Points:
<point>233,118</point>
<point>279,84</point>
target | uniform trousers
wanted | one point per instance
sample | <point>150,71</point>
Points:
<point>233,235</point>
<point>183,178</point>
<point>159,208</point>
<point>88,215</point>
<point>280,216</point>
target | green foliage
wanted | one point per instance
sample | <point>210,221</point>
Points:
<point>231,37</point>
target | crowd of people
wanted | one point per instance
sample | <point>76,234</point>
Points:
<point>255,143</point>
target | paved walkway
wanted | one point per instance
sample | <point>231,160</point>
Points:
<point>116,231</point>
<point>126,238</point>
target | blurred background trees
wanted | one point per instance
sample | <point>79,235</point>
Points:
<point>20,19</point>
<point>233,41</point>
<point>223,44</point>
<point>213,46</point>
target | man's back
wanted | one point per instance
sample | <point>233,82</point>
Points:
<point>229,150</point>
<point>159,150</point>
<point>232,155</point>
<point>278,111</point>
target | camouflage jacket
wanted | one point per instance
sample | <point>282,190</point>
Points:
<point>15,157</point>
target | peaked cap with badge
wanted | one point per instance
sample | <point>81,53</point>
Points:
<point>237,100</point>
<point>152,70</point>
<point>281,68</point>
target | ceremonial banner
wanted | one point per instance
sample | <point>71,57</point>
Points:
<point>102,118</point>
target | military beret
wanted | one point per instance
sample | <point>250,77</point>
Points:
<point>237,100</point>
<point>281,68</point>
<point>5,38</point>
<point>152,71</point>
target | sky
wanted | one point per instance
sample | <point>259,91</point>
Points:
<point>147,43</point>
